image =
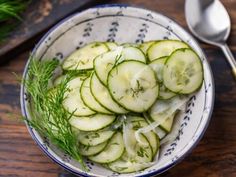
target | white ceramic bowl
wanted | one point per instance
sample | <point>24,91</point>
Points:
<point>123,24</point>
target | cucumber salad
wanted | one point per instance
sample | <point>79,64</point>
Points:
<point>124,98</point>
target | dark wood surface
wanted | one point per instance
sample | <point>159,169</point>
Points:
<point>37,19</point>
<point>215,155</point>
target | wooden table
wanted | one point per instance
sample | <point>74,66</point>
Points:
<point>215,155</point>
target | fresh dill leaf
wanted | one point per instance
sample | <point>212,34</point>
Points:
<point>136,125</point>
<point>97,44</point>
<point>10,10</point>
<point>48,115</point>
<point>137,90</point>
<point>86,72</point>
<point>117,59</point>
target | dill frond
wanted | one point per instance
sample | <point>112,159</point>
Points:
<point>49,117</point>
<point>10,10</point>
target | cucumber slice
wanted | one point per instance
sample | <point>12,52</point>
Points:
<point>124,166</point>
<point>92,123</point>
<point>136,156</point>
<point>183,72</point>
<point>105,62</point>
<point>165,109</point>
<point>91,150</point>
<point>102,95</point>
<point>73,102</point>
<point>167,125</point>
<point>151,136</point>
<point>157,66</point>
<point>95,138</point>
<point>164,93</point>
<point>164,48</point>
<point>83,58</point>
<point>131,163</point>
<point>132,124</point>
<point>89,100</point>
<point>133,85</point>
<point>145,46</point>
<point>133,53</point>
<point>112,151</point>
<point>111,45</point>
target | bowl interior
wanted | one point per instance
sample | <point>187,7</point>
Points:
<point>124,24</point>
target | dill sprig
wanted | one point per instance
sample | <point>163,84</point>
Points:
<point>10,10</point>
<point>137,90</point>
<point>49,117</point>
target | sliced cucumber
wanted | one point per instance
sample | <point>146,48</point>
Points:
<point>83,58</point>
<point>73,102</point>
<point>124,166</point>
<point>133,85</point>
<point>133,53</point>
<point>91,150</point>
<point>164,93</point>
<point>165,109</point>
<point>95,138</point>
<point>143,152</point>
<point>158,65</point>
<point>151,136</point>
<point>102,95</point>
<point>131,163</point>
<point>153,140</point>
<point>112,151</point>
<point>89,100</point>
<point>92,123</point>
<point>111,45</point>
<point>183,72</point>
<point>164,48</point>
<point>167,125</point>
<point>145,46</point>
<point>105,62</point>
<point>132,124</point>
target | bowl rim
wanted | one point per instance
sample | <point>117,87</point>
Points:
<point>85,174</point>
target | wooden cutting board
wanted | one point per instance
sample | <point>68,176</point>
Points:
<point>37,19</point>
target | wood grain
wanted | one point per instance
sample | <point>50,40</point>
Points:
<point>215,155</point>
<point>37,19</point>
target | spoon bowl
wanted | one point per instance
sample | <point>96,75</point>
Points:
<point>209,21</point>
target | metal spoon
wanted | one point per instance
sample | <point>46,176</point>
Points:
<point>209,21</point>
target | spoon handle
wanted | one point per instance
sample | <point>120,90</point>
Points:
<point>230,58</point>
